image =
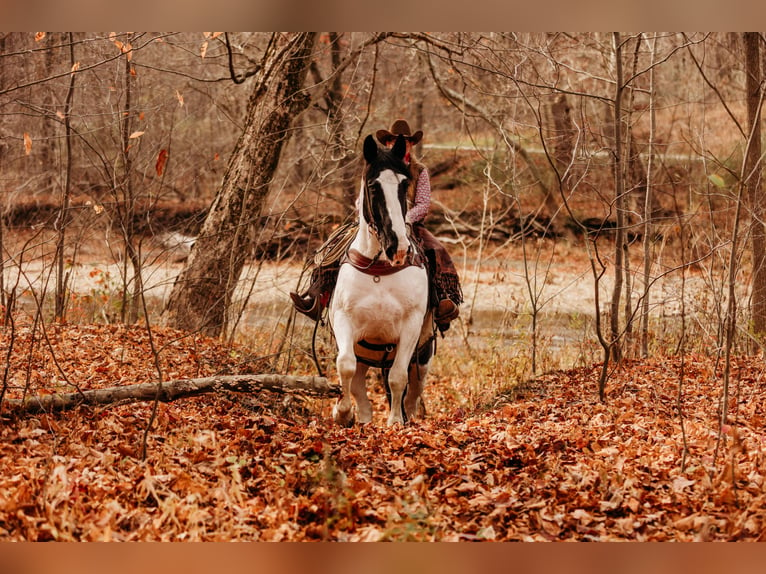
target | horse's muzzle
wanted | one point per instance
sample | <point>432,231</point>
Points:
<point>400,257</point>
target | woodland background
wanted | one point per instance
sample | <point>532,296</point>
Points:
<point>161,192</point>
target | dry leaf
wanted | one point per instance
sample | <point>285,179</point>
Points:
<point>27,143</point>
<point>203,49</point>
<point>681,482</point>
<point>162,159</point>
<point>269,474</point>
<point>39,36</point>
<point>135,135</point>
<point>180,98</point>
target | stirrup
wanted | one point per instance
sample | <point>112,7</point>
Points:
<point>309,308</point>
<point>446,311</point>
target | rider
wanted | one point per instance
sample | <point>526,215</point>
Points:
<point>443,273</point>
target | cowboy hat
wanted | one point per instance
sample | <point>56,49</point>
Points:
<point>399,127</point>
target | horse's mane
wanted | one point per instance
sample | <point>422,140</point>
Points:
<point>386,159</point>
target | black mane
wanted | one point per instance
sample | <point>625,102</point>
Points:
<point>378,160</point>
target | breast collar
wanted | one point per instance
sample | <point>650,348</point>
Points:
<point>378,267</point>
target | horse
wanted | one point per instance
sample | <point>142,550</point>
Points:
<point>379,312</point>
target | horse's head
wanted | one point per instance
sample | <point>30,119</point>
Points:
<point>384,197</point>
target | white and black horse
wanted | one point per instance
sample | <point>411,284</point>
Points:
<point>379,312</point>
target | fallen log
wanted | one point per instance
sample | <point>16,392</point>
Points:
<point>172,390</point>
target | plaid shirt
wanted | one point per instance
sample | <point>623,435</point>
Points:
<point>417,213</point>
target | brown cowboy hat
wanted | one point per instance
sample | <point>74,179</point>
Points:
<point>399,127</point>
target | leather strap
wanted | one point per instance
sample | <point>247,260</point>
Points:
<point>377,267</point>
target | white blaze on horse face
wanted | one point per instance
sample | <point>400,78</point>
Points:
<point>389,182</point>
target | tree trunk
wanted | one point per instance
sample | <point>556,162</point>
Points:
<point>619,194</point>
<point>172,390</point>
<point>752,175</point>
<point>564,135</point>
<point>333,99</point>
<point>204,289</point>
<point>66,194</point>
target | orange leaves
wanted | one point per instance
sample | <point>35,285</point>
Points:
<point>162,159</point>
<point>27,143</point>
<point>555,464</point>
<point>123,47</point>
<point>204,45</point>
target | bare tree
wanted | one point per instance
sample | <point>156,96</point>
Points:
<point>66,192</point>
<point>205,287</point>
<point>753,181</point>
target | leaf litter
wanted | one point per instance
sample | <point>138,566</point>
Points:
<point>545,461</point>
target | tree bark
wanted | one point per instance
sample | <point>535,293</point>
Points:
<point>204,289</point>
<point>619,195</point>
<point>173,390</point>
<point>752,175</point>
<point>563,135</point>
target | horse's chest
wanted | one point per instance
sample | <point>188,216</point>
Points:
<point>379,309</point>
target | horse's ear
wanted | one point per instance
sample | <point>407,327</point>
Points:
<point>400,147</point>
<point>370,149</point>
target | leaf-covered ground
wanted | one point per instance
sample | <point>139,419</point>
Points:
<point>548,462</point>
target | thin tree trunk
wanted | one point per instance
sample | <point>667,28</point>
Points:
<point>204,289</point>
<point>648,199</point>
<point>63,221</point>
<point>752,175</point>
<point>619,193</point>
<point>564,136</point>
<point>4,307</point>
<point>335,120</point>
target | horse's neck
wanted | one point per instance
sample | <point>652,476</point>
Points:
<point>365,242</point>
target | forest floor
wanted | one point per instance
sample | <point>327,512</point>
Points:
<point>495,459</point>
<point>542,461</point>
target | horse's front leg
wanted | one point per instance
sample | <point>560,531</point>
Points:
<point>398,376</point>
<point>359,392</point>
<point>346,365</point>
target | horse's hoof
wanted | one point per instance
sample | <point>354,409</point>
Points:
<point>346,420</point>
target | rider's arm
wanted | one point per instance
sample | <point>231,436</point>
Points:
<point>422,204</point>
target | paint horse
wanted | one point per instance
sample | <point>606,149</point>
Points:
<point>379,310</point>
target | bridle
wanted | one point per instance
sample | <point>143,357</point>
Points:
<point>372,227</point>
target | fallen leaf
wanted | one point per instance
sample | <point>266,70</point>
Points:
<point>162,159</point>
<point>681,482</point>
